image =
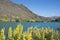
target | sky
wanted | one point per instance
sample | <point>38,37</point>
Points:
<point>47,8</point>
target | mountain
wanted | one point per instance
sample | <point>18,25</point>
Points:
<point>57,19</point>
<point>54,17</point>
<point>10,11</point>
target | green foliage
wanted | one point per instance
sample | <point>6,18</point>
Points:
<point>58,29</point>
<point>16,20</point>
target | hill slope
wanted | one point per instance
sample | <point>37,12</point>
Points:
<point>11,11</point>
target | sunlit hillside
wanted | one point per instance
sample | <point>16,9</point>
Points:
<point>10,11</point>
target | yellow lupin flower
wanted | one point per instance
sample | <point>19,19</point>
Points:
<point>19,28</point>
<point>37,32</point>
<point>57,33</point>
<point>18,32</point>
<point>52,37</point>
<point>43,36</point>
<point>29,36</point>
<point>29,29</point>
<point>46,31</point>
<point>24,35</point>
<point>2,35</point>
<point>19,36</point>
<point>14,32</point>
<point>10,33</point>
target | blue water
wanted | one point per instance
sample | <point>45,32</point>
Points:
<point>53,25</point>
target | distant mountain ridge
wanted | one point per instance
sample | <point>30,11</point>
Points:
<point>14,12</point>
<point>54,17</point>
<point>57,19</point>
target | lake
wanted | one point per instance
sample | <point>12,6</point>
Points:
<point>53,25</point>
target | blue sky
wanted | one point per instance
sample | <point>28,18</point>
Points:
<point>45,8</point>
